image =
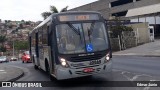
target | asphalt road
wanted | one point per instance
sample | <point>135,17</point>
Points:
<point>125,68</point>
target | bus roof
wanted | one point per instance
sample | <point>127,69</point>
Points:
<point>63,13</point>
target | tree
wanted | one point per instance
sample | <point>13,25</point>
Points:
<point>28,22</point>
<point>6,21</point>
<point>2,49</point>
<point>118,30</point>
<point>64,9</point>
<point>2,39</point>
<point>20,26</point>
<point>46,14</point>
<point>22,21</point>
<point>53,9</point>
<point>21,45</point>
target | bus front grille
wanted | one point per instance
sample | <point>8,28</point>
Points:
<point>86,58</point>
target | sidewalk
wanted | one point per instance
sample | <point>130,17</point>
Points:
<point>10,73</point>
<point>148,49</point>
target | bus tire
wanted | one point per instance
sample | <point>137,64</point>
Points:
<point>47,67</point>
<point>48,71</point>
<point>35,67</point>
<point>52,78</point>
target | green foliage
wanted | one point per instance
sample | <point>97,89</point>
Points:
<point>53,9</point>
<point>64,9</point>
<point>2,49</point>
<point>117,30</point>
<point>28,22</point>
<point>21,26</point>
<point>2,39</point>
<point>46,14</point>
<point>21,45</point>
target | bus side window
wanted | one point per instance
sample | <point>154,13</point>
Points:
<point>45,35</point>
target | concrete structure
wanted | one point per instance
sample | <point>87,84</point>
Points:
<point>148,49</point>
<point>10,73</point>
<point>119,8</point>
<point>141,32</point>
<point>114,7</point>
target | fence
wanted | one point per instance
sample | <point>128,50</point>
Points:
<point>126,40</point>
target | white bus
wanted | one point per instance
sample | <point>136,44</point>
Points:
<point>71,44</point>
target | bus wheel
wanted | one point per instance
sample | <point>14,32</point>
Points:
<point>47,68</point>
<point>22,61</point>
<point>35,67</point>
<point>52,78</point>
<point>48,72</point>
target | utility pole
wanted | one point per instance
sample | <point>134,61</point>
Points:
<point>13,47</point>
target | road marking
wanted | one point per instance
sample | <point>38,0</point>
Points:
<point>2,70</point>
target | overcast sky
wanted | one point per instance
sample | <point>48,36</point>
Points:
<point>32,9</point>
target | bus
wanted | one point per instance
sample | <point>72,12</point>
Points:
<point>71,44</point>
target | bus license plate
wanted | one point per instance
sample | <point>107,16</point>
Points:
<point>95,62</point>
<point>87,70</point>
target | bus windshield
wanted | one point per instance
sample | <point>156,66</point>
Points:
<point>76,37</point>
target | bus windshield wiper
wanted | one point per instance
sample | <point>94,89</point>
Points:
<point>77,31</point>
<point>74,29</point>
<point>91,29</point>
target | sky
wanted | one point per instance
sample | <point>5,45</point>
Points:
<point>31,9</point>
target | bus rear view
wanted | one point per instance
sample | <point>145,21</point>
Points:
<point>77,45</point>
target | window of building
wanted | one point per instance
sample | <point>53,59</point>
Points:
<point>120,2</point>
<point>118,14</point>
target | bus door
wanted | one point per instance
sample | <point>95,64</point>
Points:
<point>30,46</point>
<point>51,45</point>
<point>40,49</point>
<point>37,51</point>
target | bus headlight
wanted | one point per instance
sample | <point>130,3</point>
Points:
<point>107,58</point>
<point>63,62</point>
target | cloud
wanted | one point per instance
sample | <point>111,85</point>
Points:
<point>32,9</point>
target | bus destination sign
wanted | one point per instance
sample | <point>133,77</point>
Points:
<point>78,17</point>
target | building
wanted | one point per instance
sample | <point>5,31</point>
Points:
<point>121,8</point>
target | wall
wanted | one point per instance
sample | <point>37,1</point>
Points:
<point>142,32</point>
<point>128,42</point>
<point>103,6</point>
<point>100,6</point>
<point>114,44</point>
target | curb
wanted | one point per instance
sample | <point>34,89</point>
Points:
<point>17,77</point>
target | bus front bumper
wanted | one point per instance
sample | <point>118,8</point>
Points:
<point>66,73</point>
